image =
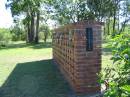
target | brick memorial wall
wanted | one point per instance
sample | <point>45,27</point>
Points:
<point>77,52</point>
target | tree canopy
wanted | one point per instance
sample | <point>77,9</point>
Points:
<point>36,12</point>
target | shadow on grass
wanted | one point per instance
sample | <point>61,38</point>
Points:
<point>107,51</point>
<point>34,46</point>
<point>35,79</point>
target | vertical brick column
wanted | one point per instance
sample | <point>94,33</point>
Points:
<point>79,66</point>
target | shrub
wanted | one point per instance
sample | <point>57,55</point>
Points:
<point>117,79</point>
<point>18,34</point>
<point>5,37</point>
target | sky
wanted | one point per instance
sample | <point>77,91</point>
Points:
<point>6,19</point>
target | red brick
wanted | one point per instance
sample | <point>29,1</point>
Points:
<point>78,65</point>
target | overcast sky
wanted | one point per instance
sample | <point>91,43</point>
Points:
<point>6,19</point>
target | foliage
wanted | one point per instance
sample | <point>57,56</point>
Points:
<point>30,9</point>
<point>45,32</point>
<point>5,37</point>
<point>67,11</point>
<point>17,33</point>
<point>62,12</point>
<point>117,79</point>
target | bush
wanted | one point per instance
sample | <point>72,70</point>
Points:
<point>5,37</point>
<point>117,79</point>
<point>18,34</point>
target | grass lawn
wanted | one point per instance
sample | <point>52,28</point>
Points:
<point>27,71</point>
<point>106,55</point>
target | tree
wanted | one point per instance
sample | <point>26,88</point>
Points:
<point>5,37</point>
<point>37,20</point>
<point>68,11</point>
<point>46,31</point>
<point>17,31</point>
<point>30,9</point>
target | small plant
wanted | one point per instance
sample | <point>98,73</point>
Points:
<point>117,78</point>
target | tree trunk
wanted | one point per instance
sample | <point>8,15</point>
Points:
<point>37,27</point>
<point>45,36</point>
<point>28,32</point>
<point>114,21</point>
<point>32,27</point>
<point>118,21</point>
<point>108,26</point>
<point>104,30</point>
<point>27,27</point>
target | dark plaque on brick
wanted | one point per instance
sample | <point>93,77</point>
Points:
<point>89,39</point>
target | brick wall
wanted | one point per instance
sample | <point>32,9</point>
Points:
<point>79,66</point>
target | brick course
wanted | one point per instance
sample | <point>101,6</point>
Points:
<point>80,67</point>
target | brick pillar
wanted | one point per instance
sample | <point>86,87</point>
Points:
<point>79,65</point>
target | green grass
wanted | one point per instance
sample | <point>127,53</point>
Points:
<point>27,71</point>
<point>20,53</point>
<point>106,55</point>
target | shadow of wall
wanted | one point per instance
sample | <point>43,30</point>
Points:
<point>35,79</point>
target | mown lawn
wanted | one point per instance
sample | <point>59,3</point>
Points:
<point>28,71</point>
<point>20,53</point>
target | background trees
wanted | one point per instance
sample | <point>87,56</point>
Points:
<point>30,10</point>
<point>5,37</point>
<point>34,13</point>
